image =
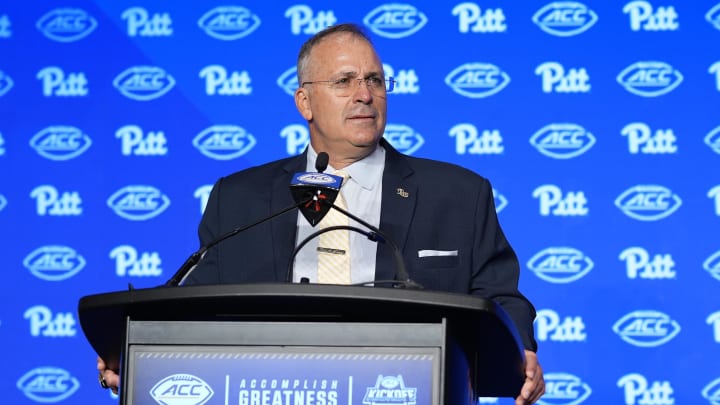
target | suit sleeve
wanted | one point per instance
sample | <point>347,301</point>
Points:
<point>496,269</point>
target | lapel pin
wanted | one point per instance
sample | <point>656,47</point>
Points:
<point>402,193</point>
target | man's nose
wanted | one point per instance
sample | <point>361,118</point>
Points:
<point>362,91</point>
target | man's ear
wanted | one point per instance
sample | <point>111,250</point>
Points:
<point>302,102</point>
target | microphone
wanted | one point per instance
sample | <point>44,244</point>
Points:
<point>317,187</point>
<point>322,192</point>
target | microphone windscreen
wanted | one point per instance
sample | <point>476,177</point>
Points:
<point>321,163</point>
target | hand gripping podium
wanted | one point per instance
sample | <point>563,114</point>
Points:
<point>303,344</point>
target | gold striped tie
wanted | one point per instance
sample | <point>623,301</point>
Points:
<point>334,246</point>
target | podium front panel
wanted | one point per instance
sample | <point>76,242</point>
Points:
<point>260,363</point>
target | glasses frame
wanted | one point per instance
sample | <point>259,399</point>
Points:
<point>389,83</point>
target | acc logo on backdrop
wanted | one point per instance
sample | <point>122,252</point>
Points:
<point>168,390</point>
<point>565,18</point>
<point>649,78</point>
<point>54,262</point>
<point>403,138</point>
<point>646,328</point>
<point>66,24</point>
<point>224,142</point>
<point>500,201</point>
<point>562,140</point>
<point>713,16</point>
<point>713,138</point>
<point>48,384</point>
<point>60,142</point>
<point>138,202</point>
<point>648,202</point>
<point>288,81</point>
<point>711,392</point>
<point>395,20</point>
<point>564,389</point>
<point>560,265</point>
<point>712,265</point>
<point>6,83</point>
<point>477,80</point>
<point>229,23</point>
<point>143,83</point>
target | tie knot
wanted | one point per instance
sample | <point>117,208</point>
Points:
<point>342,173</point>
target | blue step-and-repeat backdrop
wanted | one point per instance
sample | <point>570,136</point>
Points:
<point>598,123</point>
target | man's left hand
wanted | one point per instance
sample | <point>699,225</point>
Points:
<point>534,386</point>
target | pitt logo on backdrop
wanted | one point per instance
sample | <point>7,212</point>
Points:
<point>637,390</point>
<point>644,17</point>
<point>638,264</point>
<point>303,20</point>
<point>550,327</point>
<point>642,140</point>
<point>406,80</point>
<point>56,83</point>
<point>471,18</point>
<point>140,23</point>
<point>135,142</point>
<point>553,203</point>
<point>555,79</point>
<point>468,139</point>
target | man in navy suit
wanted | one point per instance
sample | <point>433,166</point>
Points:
<point>441,216</point>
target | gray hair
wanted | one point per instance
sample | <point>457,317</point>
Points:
<point>304,55</point>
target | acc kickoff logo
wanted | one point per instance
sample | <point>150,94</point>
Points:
<point>646,328</point>
<point>390,390</point>
<point>712,139</point>
<point>181,389</point>
<point>224,142</point>
<point>564,389</point>
<point>403,138</point>
<point>562,140</point>
<point>565,18</point>
<point>229,23</point>
<point>144,83</point>
<point>48,384</point>
<point>395,20</point>
<point>6,83</point>
<point>60,142</point>
<point>477,80</point>
<point>54,263</point>
<point>650,78</point>
<point>66,24</point>
<point>560,265</point>
<point>138,202</point>
<point>712,265</point>
<point>648,202</point>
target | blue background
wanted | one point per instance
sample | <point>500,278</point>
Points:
<point>587,349</point>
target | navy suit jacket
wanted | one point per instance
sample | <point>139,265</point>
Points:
<point>426,205</point>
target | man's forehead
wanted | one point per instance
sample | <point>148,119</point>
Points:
<point>339,53</point>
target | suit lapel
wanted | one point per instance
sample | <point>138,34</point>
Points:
<point>399,196</point>
<point>284,227</point>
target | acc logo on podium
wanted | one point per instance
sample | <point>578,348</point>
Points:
<point>181,389</point>
<point>646,328</point>
<point>48,384</point>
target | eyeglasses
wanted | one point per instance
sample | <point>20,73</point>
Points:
<point>345,86</point>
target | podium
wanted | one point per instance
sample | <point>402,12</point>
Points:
<point>303,344</point>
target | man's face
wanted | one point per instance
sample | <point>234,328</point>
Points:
<point>345,124</point>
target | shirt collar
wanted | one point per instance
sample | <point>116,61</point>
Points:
<point>366,172</point>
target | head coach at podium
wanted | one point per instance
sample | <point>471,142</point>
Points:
<point>441,216</point>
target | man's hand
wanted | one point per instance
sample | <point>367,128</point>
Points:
<point>112,380</point>
<point>534,386</point>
